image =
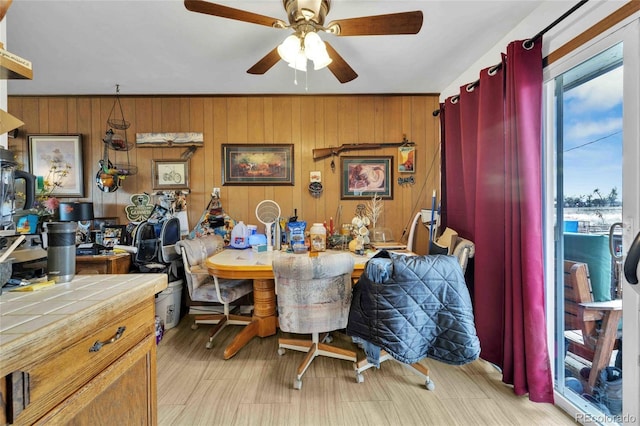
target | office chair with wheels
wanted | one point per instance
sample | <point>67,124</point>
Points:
<point>407,308</point>
<point>203,287</point>
<point>314,294</point>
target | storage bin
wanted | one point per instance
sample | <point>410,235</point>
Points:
<point>168,304</point>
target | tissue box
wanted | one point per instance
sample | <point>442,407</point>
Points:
<point>259,248</point>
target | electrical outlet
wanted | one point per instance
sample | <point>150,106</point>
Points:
<point>216,192</point>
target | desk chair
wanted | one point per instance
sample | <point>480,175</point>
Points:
<point>203,287</point>
<point>463,250</point>
<point>314,295</point>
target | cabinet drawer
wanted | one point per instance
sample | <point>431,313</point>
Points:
<point>63,373</point>
<point>123,394</point>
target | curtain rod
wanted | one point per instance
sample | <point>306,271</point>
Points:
<point>528,43</point>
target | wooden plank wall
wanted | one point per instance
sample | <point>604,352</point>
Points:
<point>306,121</point>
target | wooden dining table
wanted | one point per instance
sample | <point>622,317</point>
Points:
<point>257,266</point>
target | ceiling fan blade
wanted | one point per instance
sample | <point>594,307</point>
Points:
<point>339,67</point>
<point>394,23</point>
<point>265,64</point>
<point>231,13</point>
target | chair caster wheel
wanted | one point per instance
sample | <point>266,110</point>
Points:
<point>194,326</point>
<point>359,378</point>
<point>209,345</point>
<point>297,384</point>
<point>430,385</point>
<point>281,351</point>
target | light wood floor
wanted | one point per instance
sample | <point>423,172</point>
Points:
<point>197,386</point>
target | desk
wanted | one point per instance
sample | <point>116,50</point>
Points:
<point>248,264</point>
<point>103,264</point>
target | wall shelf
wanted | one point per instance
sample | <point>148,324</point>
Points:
<point>14,67</point>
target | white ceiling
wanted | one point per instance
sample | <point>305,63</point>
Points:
<point>159,47</point>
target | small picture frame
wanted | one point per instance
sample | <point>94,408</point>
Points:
<point>170,174</point>
<point>114,235</point>
<point>364,177</point>
<point>157,214</point>
<point>407,159</point>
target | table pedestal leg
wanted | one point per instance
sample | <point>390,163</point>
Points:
<point>264,319</point>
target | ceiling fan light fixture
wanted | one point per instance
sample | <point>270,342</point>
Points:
<point>299,62</point>
<point>316,50</point>
<point>322,61</point>
<point>289,48</point>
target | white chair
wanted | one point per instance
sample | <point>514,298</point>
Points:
<point>314,296</point>
<point>202,287</point>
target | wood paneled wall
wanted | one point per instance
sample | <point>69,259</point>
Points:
<point>306,121</point>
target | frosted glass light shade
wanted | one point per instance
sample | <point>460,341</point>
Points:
<point>313,45</point>
<point>299,62</point>
<point>289,48</point>
<point>322,61</point>
<point>316,50</point>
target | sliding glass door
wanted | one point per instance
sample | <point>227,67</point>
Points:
<point>592,197</point>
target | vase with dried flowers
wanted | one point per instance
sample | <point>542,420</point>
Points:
<point>46,203</point>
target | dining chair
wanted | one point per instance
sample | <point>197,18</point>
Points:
<point>314,295</point>
<point>205,288</point>
<point>381,273</point>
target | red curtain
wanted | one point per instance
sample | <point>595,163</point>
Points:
<point>492,143</point>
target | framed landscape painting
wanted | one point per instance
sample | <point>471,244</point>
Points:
<point>257,164</point>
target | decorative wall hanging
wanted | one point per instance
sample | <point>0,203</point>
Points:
<point>154,140</point>
<point>139,209</point>
<point>257,164</point>
<point>362,177</point>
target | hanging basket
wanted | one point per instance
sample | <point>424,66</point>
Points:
<point>115,121</point>
<point>118,142</point>
<point>124,170</point>
<point>118,123</point>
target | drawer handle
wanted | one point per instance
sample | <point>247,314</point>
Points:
<point>98,344</point>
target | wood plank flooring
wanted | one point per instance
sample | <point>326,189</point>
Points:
<point>197,386</point>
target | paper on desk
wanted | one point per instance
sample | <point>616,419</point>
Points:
<point>34,287</point>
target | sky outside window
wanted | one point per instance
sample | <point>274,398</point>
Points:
<point>593,136</point>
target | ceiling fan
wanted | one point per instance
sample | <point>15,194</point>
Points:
<point>306,19</point>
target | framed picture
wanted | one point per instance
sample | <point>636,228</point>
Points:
<point>113,235</point>
<point>170,174</point>
<point>257,164</point>
<point>158,213</point>
<point>407,159</point>
<point>362,177</point>
<point>56,161</point>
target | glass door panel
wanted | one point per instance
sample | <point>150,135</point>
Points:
<point>588,214</point>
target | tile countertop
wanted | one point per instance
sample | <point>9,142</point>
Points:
<point>28,316</point>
